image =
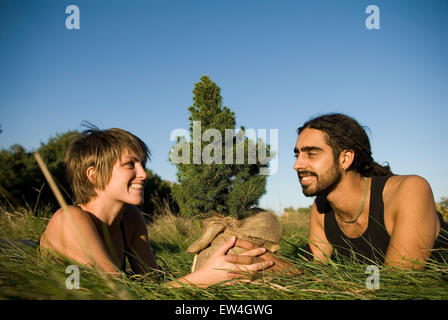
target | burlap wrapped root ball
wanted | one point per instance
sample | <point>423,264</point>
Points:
<point>263,229</point>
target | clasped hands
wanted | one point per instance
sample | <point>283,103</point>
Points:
<point>223,267</point>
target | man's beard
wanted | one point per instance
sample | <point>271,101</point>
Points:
<point>325,183</point>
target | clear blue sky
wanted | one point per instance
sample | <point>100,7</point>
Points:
<point>133,65</point>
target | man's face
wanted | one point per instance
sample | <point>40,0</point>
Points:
<point>316,167</point>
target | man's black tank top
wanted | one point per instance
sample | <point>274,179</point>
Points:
<point>372,245</point>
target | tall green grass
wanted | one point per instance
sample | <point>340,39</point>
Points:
<point>26,275</point>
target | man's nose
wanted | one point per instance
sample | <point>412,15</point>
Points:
<point>299,163</point>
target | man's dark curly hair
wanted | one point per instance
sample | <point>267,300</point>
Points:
<point>345,133</point>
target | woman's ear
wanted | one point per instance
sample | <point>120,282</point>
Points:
<point>346,159</point>
<point>91,175</point>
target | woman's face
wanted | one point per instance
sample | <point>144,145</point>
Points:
<point>128,179</point>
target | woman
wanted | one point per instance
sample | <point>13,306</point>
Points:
<point>106,172</point>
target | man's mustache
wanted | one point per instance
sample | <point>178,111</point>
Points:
<point>309,173</point>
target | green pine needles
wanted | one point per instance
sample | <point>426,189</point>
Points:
<point>218,170</point>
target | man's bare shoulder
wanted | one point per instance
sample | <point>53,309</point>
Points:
<point>406,186</point>
<point>404,190</point>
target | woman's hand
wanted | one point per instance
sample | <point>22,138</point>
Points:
<point>218,269</point>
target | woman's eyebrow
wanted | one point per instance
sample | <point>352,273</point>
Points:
<point>127,158</point>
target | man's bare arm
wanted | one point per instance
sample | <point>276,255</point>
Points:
<point>415,224</point>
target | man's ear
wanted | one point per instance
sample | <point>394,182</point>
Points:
<point>91,175</point>
<point>346,158</point>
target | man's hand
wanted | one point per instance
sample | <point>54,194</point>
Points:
<point>280,265</point>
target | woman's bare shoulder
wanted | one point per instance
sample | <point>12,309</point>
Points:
<point>62,224</point>
<point>62,217</point>
<point>72,233</point>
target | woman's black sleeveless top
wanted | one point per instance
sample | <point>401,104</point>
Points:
<point>370,247</point>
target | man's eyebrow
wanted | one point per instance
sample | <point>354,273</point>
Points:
<point>309,148</point>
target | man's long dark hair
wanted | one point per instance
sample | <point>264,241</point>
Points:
<point>345,133</point>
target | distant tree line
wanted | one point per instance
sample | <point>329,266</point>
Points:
<point>442,207</point>
<point>22,183</point>
<point>306,210</point>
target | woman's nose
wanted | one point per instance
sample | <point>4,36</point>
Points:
<point>141,172</point>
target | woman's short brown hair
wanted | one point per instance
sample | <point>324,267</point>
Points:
<point>100,149</point>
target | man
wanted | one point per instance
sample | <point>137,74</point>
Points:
<point>362,211</point>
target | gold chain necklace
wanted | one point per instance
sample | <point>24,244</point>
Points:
<point>363,201</point>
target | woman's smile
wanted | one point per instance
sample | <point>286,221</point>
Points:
<point>137,186</point>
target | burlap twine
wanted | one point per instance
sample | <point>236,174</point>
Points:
<point>263,229</point>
